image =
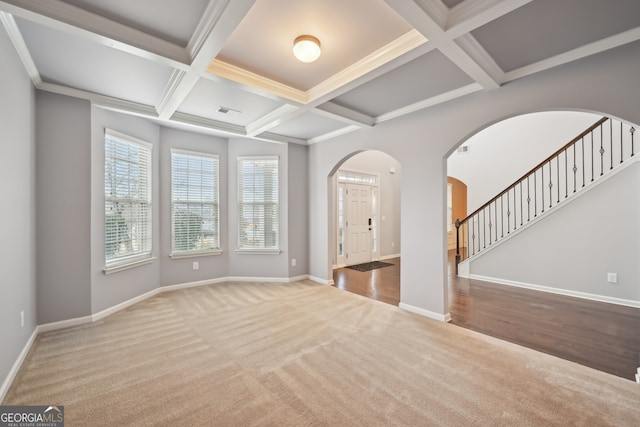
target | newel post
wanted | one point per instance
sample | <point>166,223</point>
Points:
<point>457,244</point>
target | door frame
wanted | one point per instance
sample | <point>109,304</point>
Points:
<point>342,240</point>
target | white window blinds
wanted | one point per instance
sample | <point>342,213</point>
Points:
<point>258,203</point>
<point>195,215</point>
<point>127,191</point>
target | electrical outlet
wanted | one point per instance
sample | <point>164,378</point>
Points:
<point>293,262</point>
<point>393,245</point>
<point>22,319</point>
<point>196,265</point>
<point>612,278</point>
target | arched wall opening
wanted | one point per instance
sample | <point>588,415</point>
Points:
<point>380,175</point>
<point>582,242</point>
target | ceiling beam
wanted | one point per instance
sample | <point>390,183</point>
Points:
<point>611,42</point>
<point>333,134</point>
<point>274,118</point>
<point>469,15</point>
<point>418,14</point>
<point>429,102</point>
<point>344,114</point>
<point>218,22</point>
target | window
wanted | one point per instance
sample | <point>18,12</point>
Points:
<point>127,191</point>
<point>195,215</point>
<point>258,210</point>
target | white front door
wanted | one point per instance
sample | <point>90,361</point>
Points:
<point>358,227</point>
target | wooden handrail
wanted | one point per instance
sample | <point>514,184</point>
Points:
<point>547,160</point>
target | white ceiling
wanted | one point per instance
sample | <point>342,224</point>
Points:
<point>179,61</point>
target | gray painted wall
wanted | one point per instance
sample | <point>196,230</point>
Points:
<point>113,289</point>
<point>18,254</point>
<point>604,83</point>
<point>63,182</point>
<point>576,245</point>
<point>298,200</point>
<point>178,271</point>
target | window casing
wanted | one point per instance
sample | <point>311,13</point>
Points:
<point>258,204</point>
<point>127,191</point>
<point>195,212</point>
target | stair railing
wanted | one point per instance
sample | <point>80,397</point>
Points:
<point>589,156</point>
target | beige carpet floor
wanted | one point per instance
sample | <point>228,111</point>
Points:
<point>301,354</point>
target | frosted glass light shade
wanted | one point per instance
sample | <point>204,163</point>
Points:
<point>306,48</point>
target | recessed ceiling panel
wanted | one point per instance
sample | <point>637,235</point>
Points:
<point>544,28</point>
<point>348,31</point>
<point>427,76</point>
<point>307,126</point>
<point>210,99</point>
<point>171,20</point>
<point>78,63</point>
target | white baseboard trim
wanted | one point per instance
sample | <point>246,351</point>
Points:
<point>426,313</point>
<point>128,303</point>
<point>566,292</point>
<point>62,324</point>
<point>298,278</point>
<point>192,284</point>
<point>321,281</point>
<point>17,364</point>
<point>385,257</point>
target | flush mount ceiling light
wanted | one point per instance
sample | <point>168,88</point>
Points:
<point>306,48</point>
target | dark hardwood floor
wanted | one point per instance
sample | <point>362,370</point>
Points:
<point>595,334</point>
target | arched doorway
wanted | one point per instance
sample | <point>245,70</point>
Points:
<point>364,212</point>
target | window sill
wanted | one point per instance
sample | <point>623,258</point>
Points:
<point>258,251</point>
<point>127,266</point>
<point>195,254</point>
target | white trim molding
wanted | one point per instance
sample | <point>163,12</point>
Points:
<point>446,317</point>
<point>558,291</point>
<point>6,384</point>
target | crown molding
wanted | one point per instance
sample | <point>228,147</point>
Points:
<point>239,75</point>
<point>403,44</point>
<point>21,47</point>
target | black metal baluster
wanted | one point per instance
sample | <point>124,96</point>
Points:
<point>542,187</point>
<point>508,214</point>
<point>602,149</point>
<point>632,130</point>
<point>611,143</point>
<point>535,195</point>
<point>490,224</point>
<point>621,139</point>
<point>592,173</point>
<point>484,228</point>
<point>575,169</point>
<point>558,176</point>
<point>528,201</point>
<point>550,184</point>
<point>521,212</point>
<point>496,214</point>
<point>501,217</point>
<point>582,144</point>
<point>566,175</point>
<point>473,235</point>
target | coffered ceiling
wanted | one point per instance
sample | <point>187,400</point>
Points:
<point>226,66</point>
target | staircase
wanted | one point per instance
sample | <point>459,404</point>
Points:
<point>589,157</point>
